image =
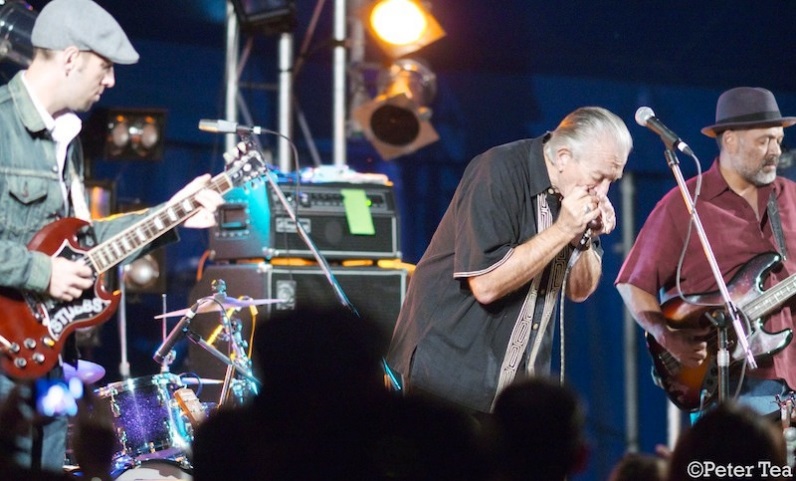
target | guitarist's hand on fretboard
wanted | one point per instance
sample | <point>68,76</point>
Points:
<point>207,198</point>
<point>69,279</point>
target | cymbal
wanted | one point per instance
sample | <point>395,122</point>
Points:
<point>209,305</point>
<point>86,371</point>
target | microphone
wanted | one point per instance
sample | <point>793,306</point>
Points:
<point>645,117</point>
<point>593,225</point>
<point>228,127</point>
<point>176,334</point>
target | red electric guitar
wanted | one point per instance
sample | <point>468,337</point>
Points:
<point>34,327</point>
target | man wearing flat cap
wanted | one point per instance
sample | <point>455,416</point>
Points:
<point>749,216</point>
<point>76,44</point>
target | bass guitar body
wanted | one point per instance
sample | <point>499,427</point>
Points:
<point>689,388</point>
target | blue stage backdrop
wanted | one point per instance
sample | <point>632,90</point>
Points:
<point>472,111</point>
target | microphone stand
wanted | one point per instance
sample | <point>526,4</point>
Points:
<point>719,319</point>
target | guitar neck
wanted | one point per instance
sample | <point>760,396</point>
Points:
<point>771,299</point>
<point>113,251</point>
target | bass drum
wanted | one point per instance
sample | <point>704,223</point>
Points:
<point>154,469</point>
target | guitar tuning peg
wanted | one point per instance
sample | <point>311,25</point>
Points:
<point>228,158</point>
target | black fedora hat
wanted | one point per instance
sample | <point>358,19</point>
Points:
<point>746,107</point>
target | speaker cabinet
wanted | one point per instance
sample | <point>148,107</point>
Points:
<point>376,293</point>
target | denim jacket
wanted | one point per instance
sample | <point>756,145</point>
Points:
<point>30,190</point>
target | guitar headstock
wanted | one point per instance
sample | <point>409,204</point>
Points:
<point>244,163</point>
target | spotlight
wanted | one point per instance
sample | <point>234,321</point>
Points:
<point>397,120</point>
<point>16,24</point>
<point>266,16</point>
<point>132,134</point>
<point>143,274</point>
<point>146,274</point>
<point>401,27</point>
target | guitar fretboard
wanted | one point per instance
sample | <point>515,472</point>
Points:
<point>771,299</point>
<point>122,245</point>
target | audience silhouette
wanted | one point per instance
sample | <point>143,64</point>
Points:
<point>728,435</point>
<point>325,412</point>
<point>539,431</point>
<point>640,467</point>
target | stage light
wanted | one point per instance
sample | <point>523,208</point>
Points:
<point>266,16</point>
<point>397,121</point>
<point>401,27</point>
<point>132,134</point>
<point>16,24</point>
<point>144,275</point>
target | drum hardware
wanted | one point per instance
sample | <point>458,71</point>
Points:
<point>220,304</point>
<point>190,405</point>
<point>199,381</point>
<point>237,359</point>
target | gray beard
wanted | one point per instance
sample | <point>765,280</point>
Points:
<point>761,178</point>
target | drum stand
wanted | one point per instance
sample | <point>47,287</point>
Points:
<point>237,360</point>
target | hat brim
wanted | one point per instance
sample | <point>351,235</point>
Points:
<point>715,129</point>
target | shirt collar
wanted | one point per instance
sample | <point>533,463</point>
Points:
<point>714,184</point>
<point>64,128</point>
<point>540,178</point>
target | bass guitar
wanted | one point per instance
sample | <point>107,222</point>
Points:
<point>690,387</point>
<point>34,326</point>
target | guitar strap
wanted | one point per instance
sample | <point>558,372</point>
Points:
<point>75,188</point>
<point>776,225</point>
<point>533,318</point>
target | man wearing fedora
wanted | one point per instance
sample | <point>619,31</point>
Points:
<point>746,210</point>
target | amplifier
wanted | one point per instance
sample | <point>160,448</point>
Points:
<point>377,294</point>
<point>254,224</point>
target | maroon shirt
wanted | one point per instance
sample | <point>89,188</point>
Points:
<point>735,235</point>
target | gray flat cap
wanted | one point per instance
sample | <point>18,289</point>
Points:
<point>85,25</point>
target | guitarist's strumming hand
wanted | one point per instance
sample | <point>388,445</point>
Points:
<point>69,279</point>
<point>688,346</point>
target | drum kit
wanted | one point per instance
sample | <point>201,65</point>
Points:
<point>154,417</point>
